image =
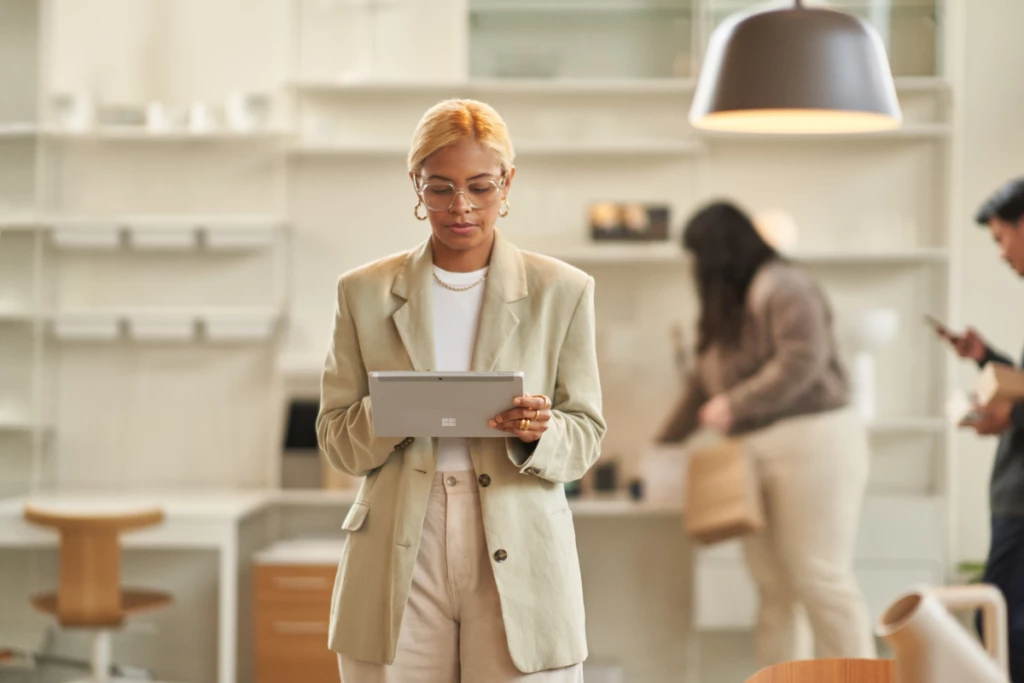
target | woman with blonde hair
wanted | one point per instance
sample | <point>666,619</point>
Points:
<point>460,562</point>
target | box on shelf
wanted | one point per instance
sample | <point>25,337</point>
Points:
<point>87,236</point>
<point>163,237</point>
<point>162,327</point>
<point>87,327</point>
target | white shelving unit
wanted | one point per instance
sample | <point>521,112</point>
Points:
<point>127,244</point>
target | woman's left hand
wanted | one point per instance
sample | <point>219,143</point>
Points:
<point>528,420</point>
<point>717,413</point>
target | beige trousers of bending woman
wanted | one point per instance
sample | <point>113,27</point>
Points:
<point>813,471</point>
<point>452,629</point>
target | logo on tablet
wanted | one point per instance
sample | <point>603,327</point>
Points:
<point>447,421</point>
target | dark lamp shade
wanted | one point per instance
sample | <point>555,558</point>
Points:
<point>799,70</point>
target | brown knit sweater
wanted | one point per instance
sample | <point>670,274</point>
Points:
<point>785,364</point>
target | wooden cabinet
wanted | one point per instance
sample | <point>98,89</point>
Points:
<point>292,612</point>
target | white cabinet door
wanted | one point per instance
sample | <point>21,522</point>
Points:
<point>376,40</point>
<point>899,545</point>
<point>726,599</point>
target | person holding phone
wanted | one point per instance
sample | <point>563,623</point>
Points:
<point>768,372</point>
<point>1003,215</point>
<point>460,562</point>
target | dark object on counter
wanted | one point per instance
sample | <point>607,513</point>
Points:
<point>628,222</point>
<point>300,432</point>
<point>572,489</point>
<point>636,489</point>
<point>606,477</point>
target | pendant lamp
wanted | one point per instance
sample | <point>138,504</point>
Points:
<point>795,70</point>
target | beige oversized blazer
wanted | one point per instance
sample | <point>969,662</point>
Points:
<point>537,317</point>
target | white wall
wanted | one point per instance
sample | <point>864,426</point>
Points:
<point>990,294</point>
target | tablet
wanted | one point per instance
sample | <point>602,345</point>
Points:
<point>454,404</point>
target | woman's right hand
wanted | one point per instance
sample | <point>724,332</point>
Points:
<point>969,345</point>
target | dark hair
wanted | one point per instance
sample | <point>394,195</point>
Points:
<point>1007,204</point>
<point>728,251</point>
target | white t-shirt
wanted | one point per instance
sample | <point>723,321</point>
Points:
<point>456,316</point>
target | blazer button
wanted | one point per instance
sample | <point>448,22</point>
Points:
<point>500,555</point>
<point>532,470</point>
<point>485,480</point>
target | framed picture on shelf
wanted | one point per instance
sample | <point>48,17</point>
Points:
<point>628,221</point>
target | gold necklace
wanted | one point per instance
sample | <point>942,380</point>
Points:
<point>459,289</point>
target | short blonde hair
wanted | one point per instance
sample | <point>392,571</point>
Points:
<point>452,121</point>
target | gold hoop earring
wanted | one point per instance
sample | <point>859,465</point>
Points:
<point>416,211</point>
<point>503,211</point>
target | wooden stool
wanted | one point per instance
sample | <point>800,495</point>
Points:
<point>89,592</point>
<point>827,671</point>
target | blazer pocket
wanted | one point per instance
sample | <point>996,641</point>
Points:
<point>355,517</point>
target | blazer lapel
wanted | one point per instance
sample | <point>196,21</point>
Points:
<point>415,318</point>
<point>506,283</point>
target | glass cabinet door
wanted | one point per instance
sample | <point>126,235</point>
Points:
<point>579,39</point>
<point>910,29</point>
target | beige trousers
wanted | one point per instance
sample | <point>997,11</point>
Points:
<point>452,630</point>
<point>813,471</point>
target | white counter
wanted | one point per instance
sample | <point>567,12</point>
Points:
<point>211,520</point>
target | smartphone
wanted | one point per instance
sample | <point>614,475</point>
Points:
<point>940,327</point>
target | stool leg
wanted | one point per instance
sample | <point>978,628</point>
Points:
<point>101,646</point>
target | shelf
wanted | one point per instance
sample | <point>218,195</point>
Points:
<point>142,135</point>
<point>225,325</point>
<point>553,86</point>
<point>86,234</point>
<point>498,86</point>
<point>918,255</point>
<point>593,149</point>
<point>220,233</point>
<point>613,505</point>
<point>17,130</point>
<point>671,253</point>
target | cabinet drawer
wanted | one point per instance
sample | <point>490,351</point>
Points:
<point>306,671</point>
<point>290,639</point>
<point>294,635</point>
<point>286,631</point>
<point>295,583</point>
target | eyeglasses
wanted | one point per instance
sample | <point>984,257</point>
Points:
<point>441,195</point>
